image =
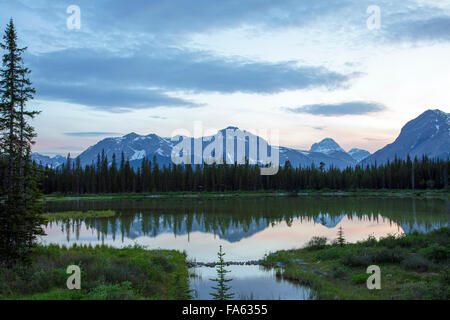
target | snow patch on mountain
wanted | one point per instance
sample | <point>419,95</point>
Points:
<point>138,154</point>
<point>327,145</point>
<point>358,154</point>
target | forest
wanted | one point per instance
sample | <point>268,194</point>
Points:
<point>112,176</point>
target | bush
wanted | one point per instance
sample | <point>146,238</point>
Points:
<point>441,236</point>
<point>330,253</point>
<point>416,262</point>
<point>106,273</point>
<point>390,241</point>
<point>357,259</point>
<point>163,262</point>
<point>385,255</point>
<point>435,252</point>
<point>445,279</point>
<point>339,271</point>
<point>360,278</point>
<point>121,291</point>
<point>317,243</point>
<point>370,242</point>
<point>425,291</point>
<point>281,257</point>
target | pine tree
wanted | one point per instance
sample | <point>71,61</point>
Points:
<point>340,239</point>
<point>20,213</point>
<point>221,289</point>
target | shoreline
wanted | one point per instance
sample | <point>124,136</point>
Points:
<point>411,267</point>
<point>204,195</point>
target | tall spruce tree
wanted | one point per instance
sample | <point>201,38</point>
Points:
<point>20,213</point>
<point>222,290</point>
<point>340,239</point>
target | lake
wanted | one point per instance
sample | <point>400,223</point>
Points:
<point>247,229</point>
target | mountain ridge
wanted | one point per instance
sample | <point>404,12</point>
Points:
<point>428,134</point>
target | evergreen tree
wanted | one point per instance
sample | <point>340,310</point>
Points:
<point>340,239</point>
<point>222,290</point>
<point>105,176</point>
<point>20,213</point>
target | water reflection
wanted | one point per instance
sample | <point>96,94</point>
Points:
<point>246,228</point>
<point>249,283</point>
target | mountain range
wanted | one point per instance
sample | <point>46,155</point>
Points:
<point>428,134</point>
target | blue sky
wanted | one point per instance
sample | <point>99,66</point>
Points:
<point>311,69</point>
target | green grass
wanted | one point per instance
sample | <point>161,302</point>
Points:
<point>396,193</point>
<point>415,266</point>
<point>79,214</point>
<point>106,273</point>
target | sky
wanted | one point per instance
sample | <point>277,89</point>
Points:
<point>352,70</point>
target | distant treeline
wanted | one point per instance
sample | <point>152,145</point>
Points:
<point>110,176</point>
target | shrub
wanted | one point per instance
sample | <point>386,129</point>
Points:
<point>360,278</point>
<point>281,257</point>
<point>425,291</point>
<point>441,236</point>
<point>358,258</point>
<point>445,279</point>
<point>384,255</point>
<point>435,252</point>
<point>390,241</point>
<point>370,242</point>
<point>317,243</point>
<point>416,262</point>
<point>330,253</point>
<point>339,271</point>
<point>163,262</point>
<point>121,291</point>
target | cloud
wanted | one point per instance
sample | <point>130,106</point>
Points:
<point>90,134</point>
<point>435,28</point>
<point>339,109</point>
<point>116,83</point>
<point>181,16</point>
<point>121,26</point>
<point>107,97</point>
<point>374,139</point>
<point>158,117</point>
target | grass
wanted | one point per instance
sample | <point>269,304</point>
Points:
<point>414,266</point>
<point>106,274</point>
<point>396,193</point>
<point>79,214</point>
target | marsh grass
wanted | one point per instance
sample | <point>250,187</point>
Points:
<point>79,214</point>
<point>414,266</point>
<point>106,273</point>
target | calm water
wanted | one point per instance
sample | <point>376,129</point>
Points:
<point>246,228</point>
<point>249,283</point>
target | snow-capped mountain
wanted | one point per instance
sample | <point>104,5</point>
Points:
<point>134,147</point>
<point>358,154</point>
<point>428,134</point>
<point>137,147</point>
<point>327,146</point>
<point>52,162</point>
